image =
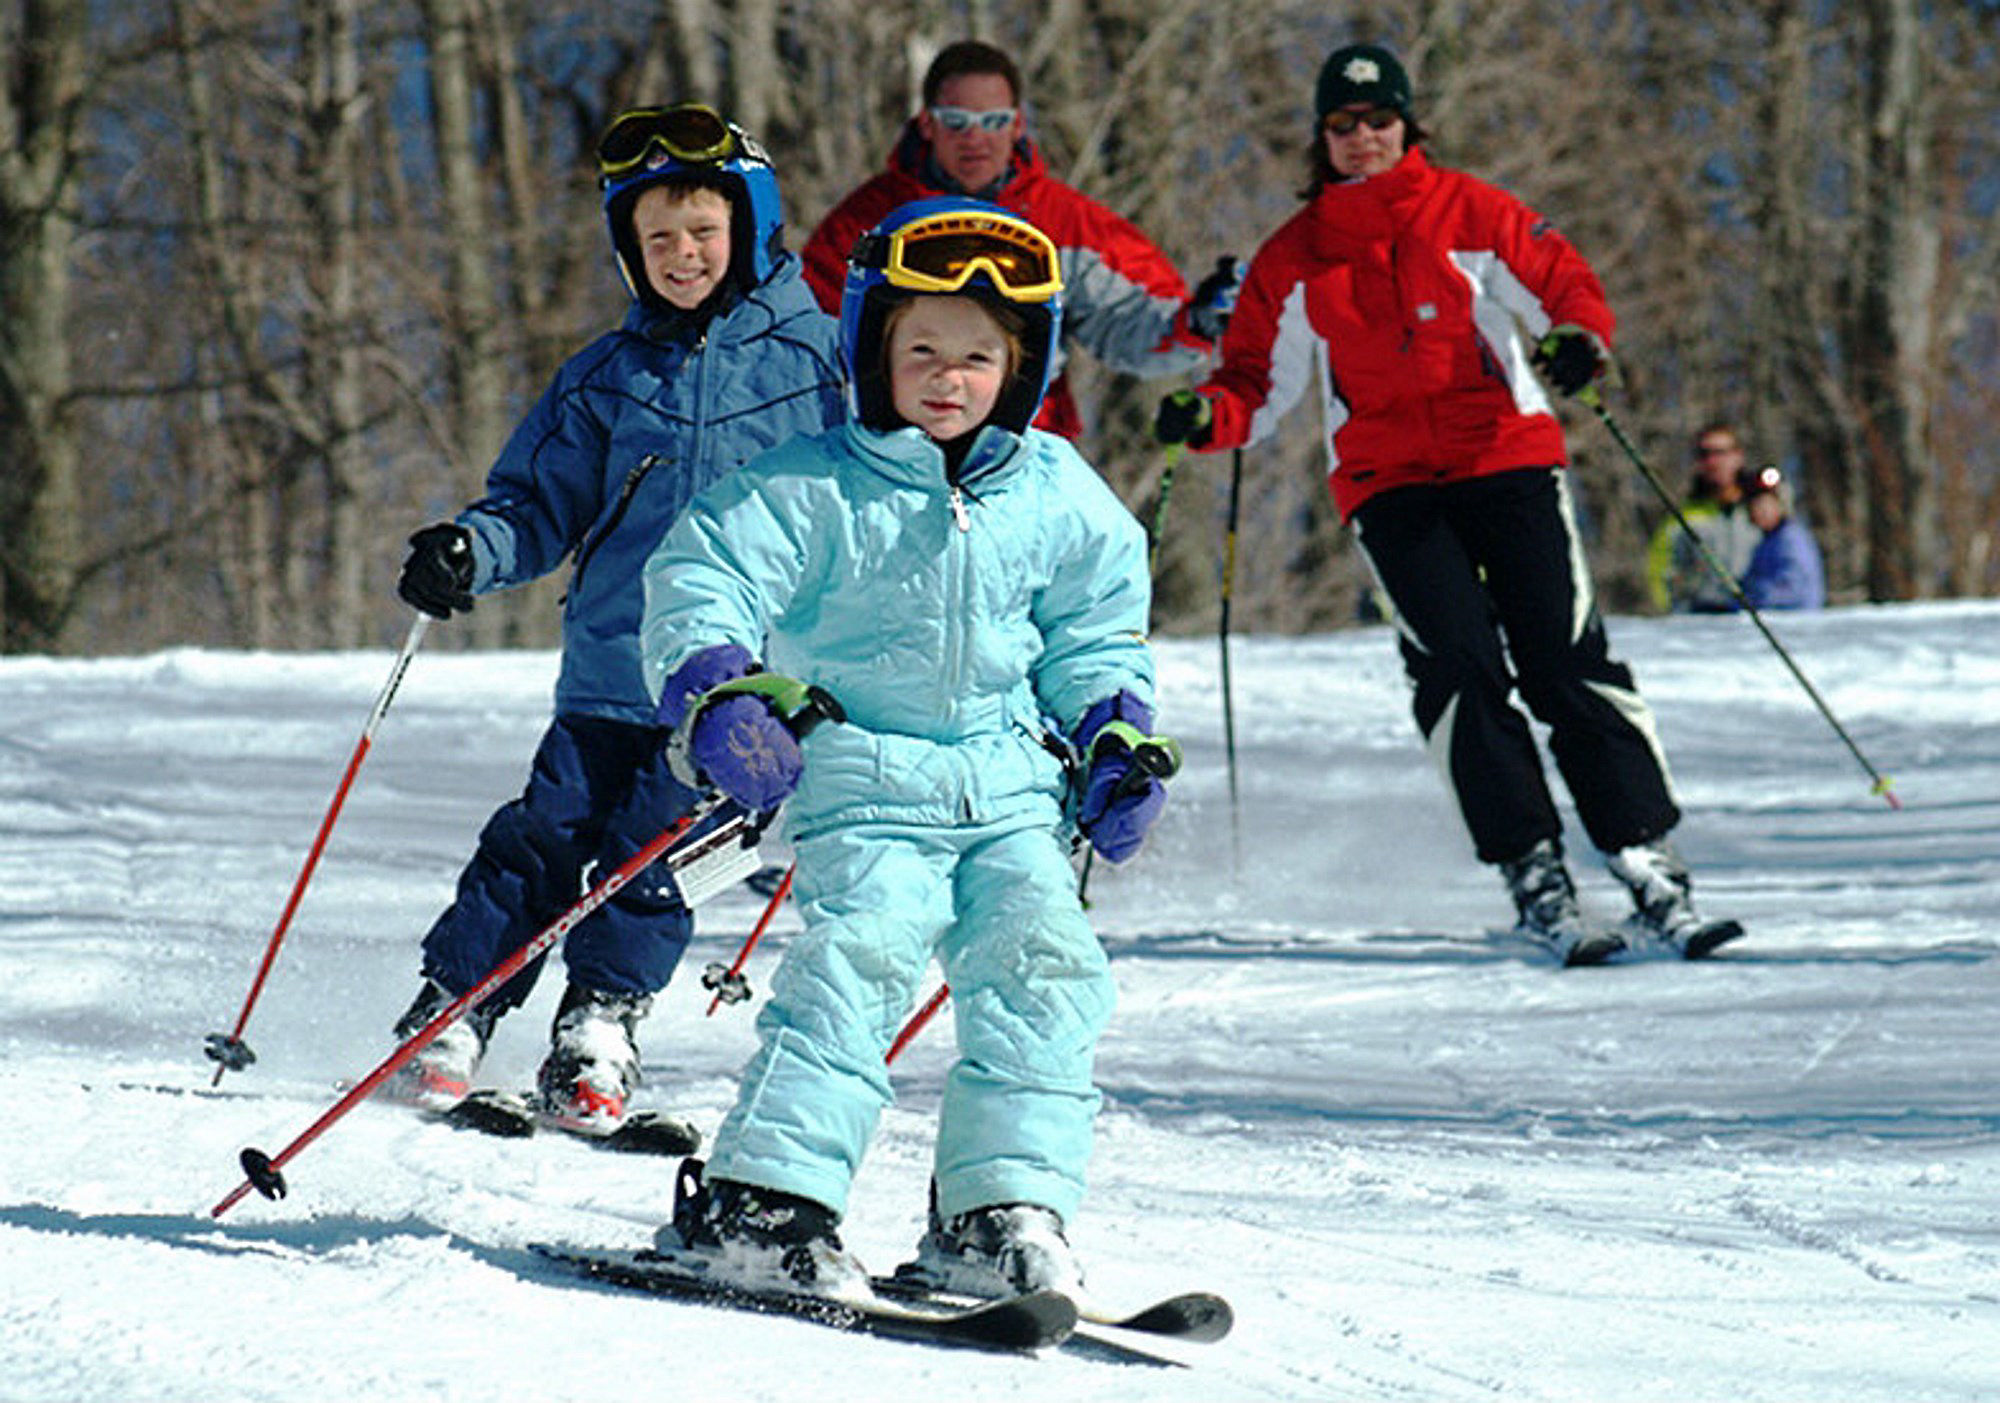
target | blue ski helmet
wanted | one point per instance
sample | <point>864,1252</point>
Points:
<point>691,144</point>
<point>950,245</point>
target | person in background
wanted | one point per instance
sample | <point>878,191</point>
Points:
<point>1677,576</point>
<point>1785,571</point>
<point>974,597</point>
<point>722,354</point>
<point>1124,301</point>
<point>1419,300</point>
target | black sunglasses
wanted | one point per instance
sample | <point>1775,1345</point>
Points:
<point>1378,119</point>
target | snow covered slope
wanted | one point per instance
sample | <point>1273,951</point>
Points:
<point>1423,1163</point>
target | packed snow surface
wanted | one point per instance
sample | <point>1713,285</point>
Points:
<point>1423,1163</point>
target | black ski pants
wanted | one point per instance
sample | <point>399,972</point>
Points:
<point>1487,582</point>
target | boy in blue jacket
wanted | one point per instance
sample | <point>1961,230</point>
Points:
<point>960,584</point>
<point>723,354</point>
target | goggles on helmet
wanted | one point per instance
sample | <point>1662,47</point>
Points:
<point>688,131</point>
<point>945,251</point>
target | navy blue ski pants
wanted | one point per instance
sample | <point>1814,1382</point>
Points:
<point>598,791</point>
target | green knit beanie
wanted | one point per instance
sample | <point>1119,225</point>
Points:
<point>1361,73</point>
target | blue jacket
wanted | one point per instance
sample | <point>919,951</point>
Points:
<point>631,428</point>
<point>952,622</point>
<point>1786,571</point>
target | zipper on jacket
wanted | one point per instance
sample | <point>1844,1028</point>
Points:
<point>958,514</point>
<point>626,493</point>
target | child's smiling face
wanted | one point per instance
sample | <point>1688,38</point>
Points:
<point>684,238</point>
<point>948,362</point>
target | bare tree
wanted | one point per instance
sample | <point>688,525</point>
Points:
<point>40,510</point>
<point>292,271</point>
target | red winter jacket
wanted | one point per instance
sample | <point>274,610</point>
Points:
<point>1123,301</point>
<point>1411,300</point>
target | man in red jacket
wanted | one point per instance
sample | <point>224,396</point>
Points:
<point>1419,302</point>
<point>1123,301</point>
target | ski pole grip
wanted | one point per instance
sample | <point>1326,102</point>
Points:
<point>802,706</point>
<point>1153,757</point>
<point>819,705</point>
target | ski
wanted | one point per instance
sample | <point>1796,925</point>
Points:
<point>1199,1317</point>
<point>1597,948</point>
<point>1703,941</point>
<point>1709,937</point>
<point>513,1115</point>
<point>1016,1324</point>
<point>1602,945</point>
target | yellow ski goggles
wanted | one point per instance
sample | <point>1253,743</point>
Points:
<point>688,131</point>
<point>943,252</point>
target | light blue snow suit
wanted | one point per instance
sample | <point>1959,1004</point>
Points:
<point>954,624</point>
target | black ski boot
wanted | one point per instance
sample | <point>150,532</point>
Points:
<point>761,1239</point>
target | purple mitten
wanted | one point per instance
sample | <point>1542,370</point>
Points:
<point>711,667</point>
<point>746,751</point>
<point>1120,803</point>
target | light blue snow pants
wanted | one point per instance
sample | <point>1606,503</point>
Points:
<point>1031,993</point>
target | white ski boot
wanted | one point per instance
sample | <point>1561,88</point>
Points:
<point>585,1084</point>
<point>440,1076</point>
<point>1004,1249</point>
<point>1547,911</point>
<point>1663,903</point>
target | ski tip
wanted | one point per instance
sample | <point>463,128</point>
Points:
<point>1712,937</point>
<point>492,1113</point>
<point>1593,950</point>
<point>654,1133</point>
<point>1038,1320</point>
<point>1199,1316</point>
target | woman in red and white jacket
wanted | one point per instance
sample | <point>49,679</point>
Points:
<point>1419,302</point>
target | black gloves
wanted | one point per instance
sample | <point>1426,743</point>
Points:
<point>437,576</point>
<point>1184,417</point>
<point>1214,299</point>
<point>1571,357</point>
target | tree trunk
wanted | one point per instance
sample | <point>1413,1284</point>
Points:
<point>41,538</point>
<point>333,359</point>
<point>1895,322</point>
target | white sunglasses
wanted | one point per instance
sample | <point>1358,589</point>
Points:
<point>965,119</point>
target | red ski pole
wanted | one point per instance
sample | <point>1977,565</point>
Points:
<point>261,1171</point>
<point>729,984</point>
<point>917,1021</point>
<point>228,1050</point>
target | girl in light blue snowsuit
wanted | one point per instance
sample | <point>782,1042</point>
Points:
<point>960,584</point>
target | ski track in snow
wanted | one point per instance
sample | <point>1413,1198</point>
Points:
<point>1422,1163</point>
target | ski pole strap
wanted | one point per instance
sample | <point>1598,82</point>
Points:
<point>801,705</point>
<point>1153,757</point>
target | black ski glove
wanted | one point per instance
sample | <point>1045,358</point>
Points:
<point>1184,417</point>
<point>1571,357</point>
<point>437,576</point>
<point>1215,299</point>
